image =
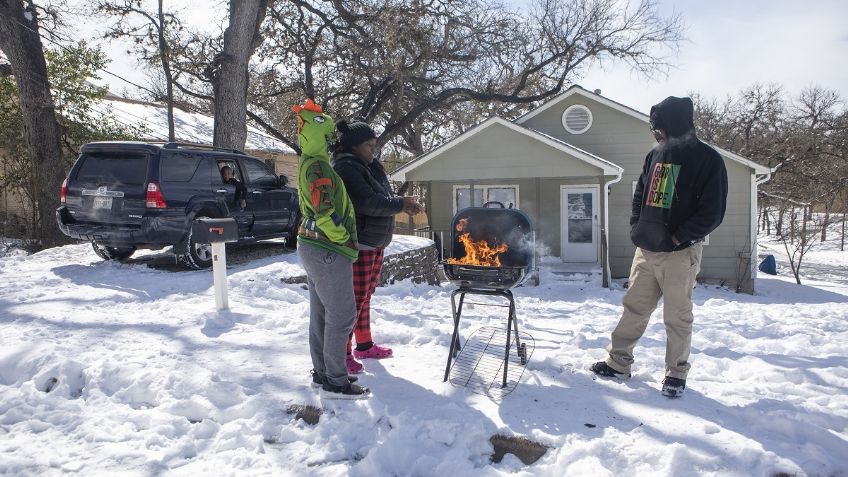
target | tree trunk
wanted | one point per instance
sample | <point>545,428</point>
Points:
<point>826,222</point>
<point>842,240</point>
<point>768,222</point>
<point>165,58</point>
<point>229,84</point>
<point>21,44</point>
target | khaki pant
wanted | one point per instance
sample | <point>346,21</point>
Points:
<point>670,275</point>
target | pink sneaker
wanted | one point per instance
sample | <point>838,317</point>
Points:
<point>374,352</point>
<point>353,366</point>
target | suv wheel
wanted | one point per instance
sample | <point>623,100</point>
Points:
<point>112,253</point>
<point>291,241</point>
<point>195,255</point>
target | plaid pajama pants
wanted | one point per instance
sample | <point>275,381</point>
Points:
<point>366,274</point>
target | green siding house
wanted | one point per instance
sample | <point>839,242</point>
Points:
<point>571,165</point>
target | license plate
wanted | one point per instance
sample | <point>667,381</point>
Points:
<point>102,203</point>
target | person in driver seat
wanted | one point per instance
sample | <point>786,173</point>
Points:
<point>241,191</point>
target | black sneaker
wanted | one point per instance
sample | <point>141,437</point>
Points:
<point>318,379</point>
<point>673,387</point>
<point>602,369</point>
<point>349,391</point>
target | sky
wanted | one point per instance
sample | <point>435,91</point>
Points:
<point>733,44</point>
<point>729,45</point>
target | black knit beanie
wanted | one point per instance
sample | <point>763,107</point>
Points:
<point>354,133</point>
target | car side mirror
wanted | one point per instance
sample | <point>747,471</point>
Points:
<point>283,180</point>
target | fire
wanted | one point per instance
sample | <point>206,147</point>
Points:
<point>477,252</point>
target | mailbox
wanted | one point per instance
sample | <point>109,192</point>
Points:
<point>214,230</point>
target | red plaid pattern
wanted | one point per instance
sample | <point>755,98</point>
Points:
<point>366,274</point>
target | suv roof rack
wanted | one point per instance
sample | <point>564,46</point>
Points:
<point>188,145</point>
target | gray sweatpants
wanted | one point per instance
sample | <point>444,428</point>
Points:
<point>332,310</point>
<point>670,275</point>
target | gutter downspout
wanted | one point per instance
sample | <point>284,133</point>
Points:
<point>607,272</point>
<point>758,180</point>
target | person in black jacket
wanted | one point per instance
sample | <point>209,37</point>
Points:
<point>679,199</point>
<point>375,205</point>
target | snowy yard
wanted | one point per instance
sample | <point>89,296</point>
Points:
<point>145,378</point>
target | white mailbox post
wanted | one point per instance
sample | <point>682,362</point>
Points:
<point>217,232</point>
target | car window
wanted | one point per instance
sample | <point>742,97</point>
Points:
<point>119,167</point>
<point>179,167</point>
<point>221,163</point>
<point>258,174</point>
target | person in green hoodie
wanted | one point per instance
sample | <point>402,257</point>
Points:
<point>327,245</point>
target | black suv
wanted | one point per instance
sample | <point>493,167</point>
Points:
<point>122,196</point>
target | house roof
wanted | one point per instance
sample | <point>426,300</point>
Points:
<point>606,166</point>
<point>188,127</point>
<point>579,90</point>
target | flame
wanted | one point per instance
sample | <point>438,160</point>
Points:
<point>477,252</point>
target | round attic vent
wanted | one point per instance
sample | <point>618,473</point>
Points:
<point>577,119</point>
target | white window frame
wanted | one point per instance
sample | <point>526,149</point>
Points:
<point>485,188</point>
<point>633,192</point>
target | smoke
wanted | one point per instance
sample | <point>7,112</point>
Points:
<point>687,139</point>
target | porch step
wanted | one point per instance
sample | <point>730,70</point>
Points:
<point>579,275</point>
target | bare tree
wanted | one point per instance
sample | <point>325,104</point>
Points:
<point>21,44</point>
<point>803,140</point>
<point>408,65</point>
<point>151,32</point>
<point>801,237</point>
<point>230,72</point>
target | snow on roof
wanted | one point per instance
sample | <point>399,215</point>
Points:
<point>188,127</point>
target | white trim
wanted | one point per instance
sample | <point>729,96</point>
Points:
<point>607,192</point>
<point>587,94</point>
<point>573,107</point>
<point>607,167</point>
<point>485,188</point>
<point>758,169</point>
<point>755,223</point>
<point>596,235</point>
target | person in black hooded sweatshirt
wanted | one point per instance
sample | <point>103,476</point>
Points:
<point>679,199</point>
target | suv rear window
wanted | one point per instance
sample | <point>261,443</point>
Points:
<point>119,167</point>
<point>178,167</point>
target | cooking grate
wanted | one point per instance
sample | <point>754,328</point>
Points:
<point>479,365</point>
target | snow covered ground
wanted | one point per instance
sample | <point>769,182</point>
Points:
<point>145,378</point>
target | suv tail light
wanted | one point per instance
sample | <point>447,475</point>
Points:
<point>154,198</point>
<point>63,193</point>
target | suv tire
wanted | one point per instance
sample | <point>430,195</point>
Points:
<point>112,253</point>
<point>195,256</point>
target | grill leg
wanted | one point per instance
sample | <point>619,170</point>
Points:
<point>457,312</point>
<point>514,319</point>
<point>511,324</point>
<point>511,321</point>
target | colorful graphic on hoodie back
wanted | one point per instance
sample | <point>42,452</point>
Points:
<point>661,187</point>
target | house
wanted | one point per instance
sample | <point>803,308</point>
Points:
<point>572,164</point>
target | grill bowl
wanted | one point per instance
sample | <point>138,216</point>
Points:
<point>480,277</point>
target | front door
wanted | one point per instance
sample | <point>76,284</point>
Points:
<point>579,212</point>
